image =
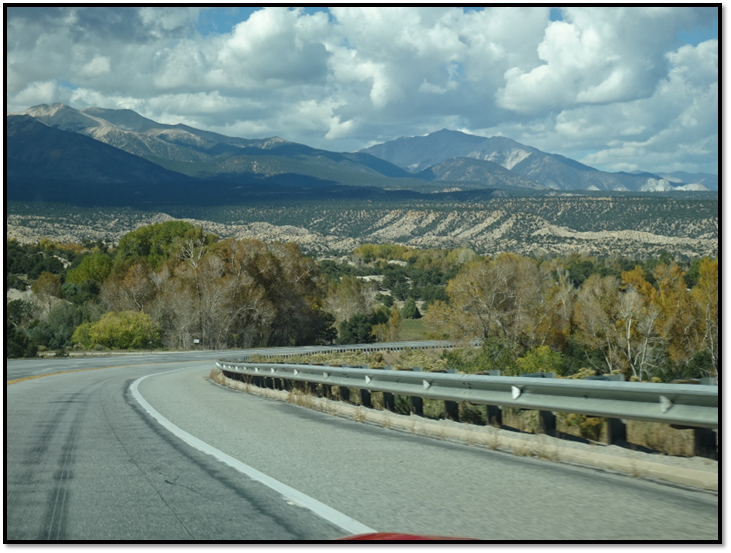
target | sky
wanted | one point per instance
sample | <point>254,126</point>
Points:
<point>617,88</point>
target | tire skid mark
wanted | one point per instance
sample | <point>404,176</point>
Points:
<point>22,487</point>
<point>56,519</point>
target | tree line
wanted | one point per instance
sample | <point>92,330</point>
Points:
<point>172,285</point>
<point>530,314</point>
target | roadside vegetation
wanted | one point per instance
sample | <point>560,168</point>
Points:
<point>172,285</point>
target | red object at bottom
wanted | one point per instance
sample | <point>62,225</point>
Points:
<point>392,536</point>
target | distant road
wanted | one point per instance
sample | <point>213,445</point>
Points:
<point>85,461</point>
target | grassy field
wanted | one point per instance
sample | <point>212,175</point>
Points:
<point>413,330</point>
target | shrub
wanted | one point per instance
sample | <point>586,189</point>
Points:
<point>123,330</point>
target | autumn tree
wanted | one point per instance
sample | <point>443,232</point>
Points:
<point>349,297</point>
<point>705,299</point>
<point>595,316</point>
<point>394,324</point>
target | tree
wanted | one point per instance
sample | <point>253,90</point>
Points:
<point>595,315</point>
<point>47,284</point>
<point>154,243</point>
<point>95,266</point>
<point>410,311</point>
<point>394,324</point>
<point>349,297</point>
<point>356,330</point>
<point>705,298</point>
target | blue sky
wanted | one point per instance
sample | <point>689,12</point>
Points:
<point>618,88</point>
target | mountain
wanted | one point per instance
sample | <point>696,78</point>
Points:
<point>199,153</point>
<point>487,173</point>
<point>137,135</point>
<point>117,156</point>
<point>47,164</point>
<point>550,170</point>
<point>680,178</point>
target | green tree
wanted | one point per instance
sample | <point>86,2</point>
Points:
<point>155,243</point>
<point>356,330</point>
<point>410,311</point>
<point>96,267</point>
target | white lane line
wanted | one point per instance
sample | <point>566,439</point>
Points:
<point>328,513</point>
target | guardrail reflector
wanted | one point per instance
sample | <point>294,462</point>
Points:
<point>665,404</point>
<point>368,379</point>
<point>427,385</point>
<point>516,392</point>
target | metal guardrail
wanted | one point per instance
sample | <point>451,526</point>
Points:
<point>367,348</point>
<point>686,405</point>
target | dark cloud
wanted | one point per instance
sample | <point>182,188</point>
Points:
<point>116,23</point>
<point>33,14</point>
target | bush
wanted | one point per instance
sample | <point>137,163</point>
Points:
<point>123,330</point>
<point>541,359</point>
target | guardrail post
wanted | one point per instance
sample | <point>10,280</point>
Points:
<point>616,431</point>
<point>344,393</point>
<point>547,422</point>
<point>416,403</point>
<point>365,398</point>
<point>494,412</point>
<point>704,439</point>
<point>365,395</point>
<point>451,408</point>
<point>389,402</point>
<point>705,443</point>
<point>546,419</point>
<point>616,428</point>
<point>327,389</point>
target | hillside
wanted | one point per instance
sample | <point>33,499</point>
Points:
<point>601,225</point>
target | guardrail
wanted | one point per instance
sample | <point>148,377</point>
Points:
<point>367,348</point>
<point>681,405</point>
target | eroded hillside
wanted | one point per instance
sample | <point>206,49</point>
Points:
<point>528,226</point>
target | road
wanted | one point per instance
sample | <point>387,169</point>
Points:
<point>86,460</point>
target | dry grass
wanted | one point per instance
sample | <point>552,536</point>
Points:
<point>493,438</point>
<point>661,437</point>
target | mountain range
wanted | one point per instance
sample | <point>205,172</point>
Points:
<point>418,154</point>
<point>116,157</point>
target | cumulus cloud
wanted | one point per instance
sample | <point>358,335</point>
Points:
<point>611,86</point>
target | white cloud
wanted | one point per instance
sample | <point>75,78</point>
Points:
<point>99,65</point>
<point>611,86</point>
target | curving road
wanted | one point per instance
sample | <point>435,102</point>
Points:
<point>179,458</point>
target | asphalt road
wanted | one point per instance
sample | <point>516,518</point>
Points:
<point>85,460</point>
